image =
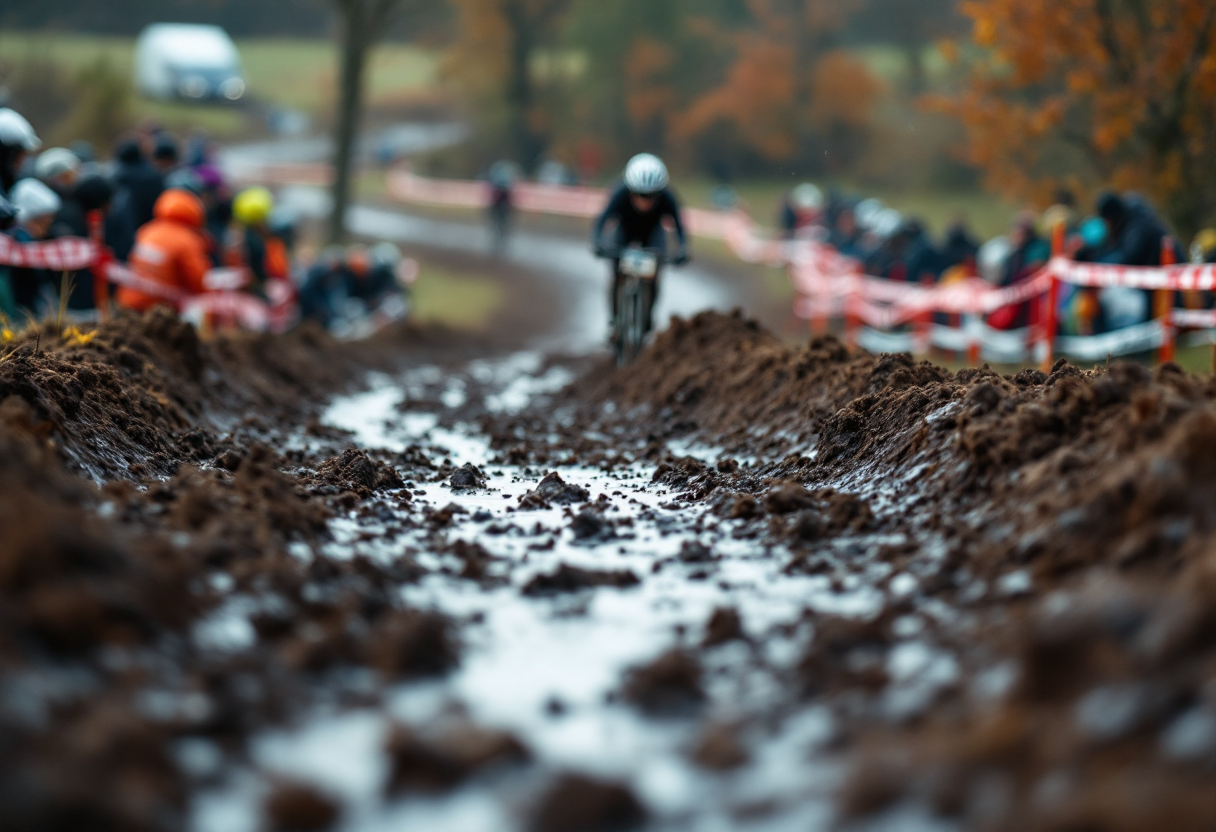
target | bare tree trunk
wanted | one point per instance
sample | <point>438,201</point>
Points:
<point>356,42</point>
<point>519,93</point>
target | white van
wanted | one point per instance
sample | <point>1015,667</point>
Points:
<point>189,62</point>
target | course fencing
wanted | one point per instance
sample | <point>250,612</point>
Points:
<point>875,313</point>
<point>224,303</point>
<point>891,316</point>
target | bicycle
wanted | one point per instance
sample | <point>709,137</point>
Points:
<point>635,295</point>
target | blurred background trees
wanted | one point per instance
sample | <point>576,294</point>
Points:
<point>1087,93</point>
<point>931,96</point>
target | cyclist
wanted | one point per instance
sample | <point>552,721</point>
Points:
<point>639,207</point>
<point>502,184</point>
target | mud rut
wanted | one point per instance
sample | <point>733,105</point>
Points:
<point>436,582</point>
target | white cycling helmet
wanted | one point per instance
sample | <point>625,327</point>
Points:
<point>807,197</point>
<point>15,131</point>
<point>645,175</point>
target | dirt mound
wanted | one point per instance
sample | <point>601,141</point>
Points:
<point>113,580</point>
<point>1069,512</point>
<point>355,471</point>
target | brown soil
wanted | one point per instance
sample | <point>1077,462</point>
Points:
<point>1073,513</point>
<point>102,587</point>
<point>1052,533</point>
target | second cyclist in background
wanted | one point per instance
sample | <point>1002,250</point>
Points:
<point>638,208</point>
<point>502,183</point>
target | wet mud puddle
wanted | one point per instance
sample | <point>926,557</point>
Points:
<point>604,630</point>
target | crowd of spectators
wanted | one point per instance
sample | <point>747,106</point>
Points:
<point>1123,229</point>
<point>164,208</point>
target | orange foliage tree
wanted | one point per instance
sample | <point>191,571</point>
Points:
<point>1094,93</point>
<point>788,96</point>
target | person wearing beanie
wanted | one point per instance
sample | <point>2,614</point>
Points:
<point>134,179</point>
<point>165,154</point>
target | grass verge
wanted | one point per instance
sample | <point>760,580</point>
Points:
<point>458,299</point>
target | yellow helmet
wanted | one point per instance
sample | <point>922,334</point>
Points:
<point>1203,245</point>
<point>252,206</point>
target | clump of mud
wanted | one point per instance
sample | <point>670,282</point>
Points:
<point>577,803</point>
<point>355,471</point>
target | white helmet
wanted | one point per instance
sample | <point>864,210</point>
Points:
<point>807,197</point>
<point>386,255</point>
<point>33,200</point>
<point>645,174</point>
<point>867,212</point>
<point>56,162</point>
<point>15,131</point>
<point>990,260</point>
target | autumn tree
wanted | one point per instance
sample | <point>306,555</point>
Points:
<point>789,95</point>
<point>1094,93</point>
<point>503,58</point>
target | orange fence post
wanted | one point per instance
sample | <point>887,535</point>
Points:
<point>1165,303</point>
<point>1053,294</point>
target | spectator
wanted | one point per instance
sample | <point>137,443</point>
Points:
<point>802,209</point>
<point>165,154</point>
<point>1203,247</point>
<point>171,250</point>
<point>36,206</point>
<point>1136,232</point>
<point>1029,253</point>
<point>1137,236</point>
<point>845,235</point>
<point>137,182</point>
<point>324,287</point>
<point>58,168</point>
<point>89,194</point>
<point>17,139</point>
<point>959,248</point>
<point>250,242</point>
<point>218,203</point>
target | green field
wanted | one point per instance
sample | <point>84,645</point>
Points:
<point>298,74</point>
<point>457,299</point>
<point>986,214</point>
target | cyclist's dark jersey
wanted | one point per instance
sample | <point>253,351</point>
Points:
<point>636,227</point>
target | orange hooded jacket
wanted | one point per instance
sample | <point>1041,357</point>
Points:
<point>170,250</point>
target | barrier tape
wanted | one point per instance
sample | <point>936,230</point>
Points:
<point>64,254</point>
<point>829,284</point>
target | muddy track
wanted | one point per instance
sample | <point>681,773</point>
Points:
<point>737,585</point>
